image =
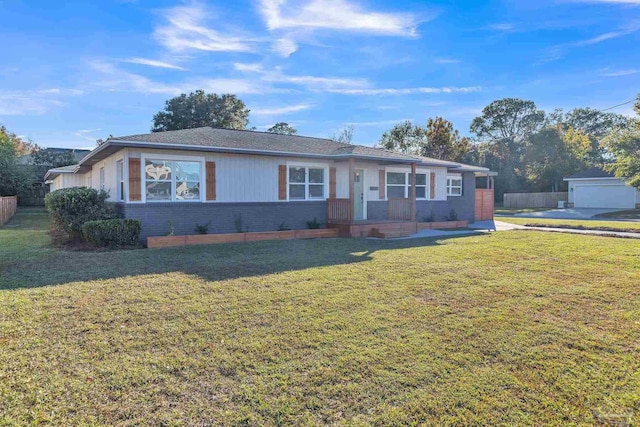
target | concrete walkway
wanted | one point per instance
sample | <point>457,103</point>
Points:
<point>569,213</point>
<point>492,226</point>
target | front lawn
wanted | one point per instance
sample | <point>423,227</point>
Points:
<point>508,328</point>
<point>588,224</point>
<point>500,210</point>
<point>628,214</point>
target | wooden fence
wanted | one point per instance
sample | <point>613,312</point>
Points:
<point>338,211</point>
<point>534,200</point>
<point>8,206</point>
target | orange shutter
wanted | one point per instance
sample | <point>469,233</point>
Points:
<point>432,185</point>
<point>382,185</point>
<point>282,182</point>
<point>135,181</point>
<point>211,180</point>
<point>332,183</point>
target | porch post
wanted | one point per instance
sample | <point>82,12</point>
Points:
<point>351,178</point>
<point>413,191</point>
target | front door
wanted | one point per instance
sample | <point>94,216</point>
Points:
<point>358,194</point>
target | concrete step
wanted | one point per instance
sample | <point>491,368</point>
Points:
<point>390,234</point>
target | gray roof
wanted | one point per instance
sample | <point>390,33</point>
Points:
<point>52,173</point>
<point>253,142</point>
<point>270,142</point>
<point>594,172</point>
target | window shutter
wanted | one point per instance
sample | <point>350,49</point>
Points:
<point>382,185</point>
<point>282,182</point>
<point>135,181</point>
<point>211,180</point>
<point>332,183</point>
<point>432,185</point>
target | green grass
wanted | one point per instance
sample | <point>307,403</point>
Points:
<point>628,226</point>
<point>499,210</point>
<point>628,214</point>
<point>509,328</point>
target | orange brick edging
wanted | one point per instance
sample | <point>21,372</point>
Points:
<point>206,239</point>
<point>8,207</point>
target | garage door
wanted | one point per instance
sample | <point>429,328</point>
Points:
<point>604,196</point>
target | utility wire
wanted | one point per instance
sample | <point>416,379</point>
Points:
<point>619,105</point>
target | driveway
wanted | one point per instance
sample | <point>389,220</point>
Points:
<point>573,213</point>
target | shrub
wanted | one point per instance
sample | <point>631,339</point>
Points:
<point>453,216</point>
<point>312,225</point>
<point>112,232</point>
<point>430,218</point>
<point>71,207</point>
<point>202,228</point>
<point>283,227</point>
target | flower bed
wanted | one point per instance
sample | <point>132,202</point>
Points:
<point>206,239</point>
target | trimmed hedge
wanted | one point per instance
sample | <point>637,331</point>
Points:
<point>112,232</point>
<point>71,207</point>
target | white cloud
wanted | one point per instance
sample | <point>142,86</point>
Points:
<point>504,26</point>
<point>447,61</point>
<point>377,123</point>
<point>624,2</point>
<point>114,79</point>
<point>154,63</point>
<point>187,30</point>
<point>335,15</point>
<point>26,103</point>
<point>619,73</point>
<point>407,91</point>
<point>280,110</point>
<point>284,47</point>
<point>86,134</point>
<point>245,67</point>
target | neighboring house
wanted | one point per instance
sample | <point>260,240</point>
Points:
<point>259,181</point>
<point>596,188</point>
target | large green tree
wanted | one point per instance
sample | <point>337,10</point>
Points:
<point>438,139</point>
<point>199,109</point>
<point>283,128</point>
<point>14,178</point>
<point>596,125</point>
<point>504,128</point>
<point>623,142</point>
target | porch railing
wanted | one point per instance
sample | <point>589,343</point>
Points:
<point>338,211</point>
<point>399,208</point>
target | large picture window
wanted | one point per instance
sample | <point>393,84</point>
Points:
<point>454,185</point>
<point>399,185</point>
<point>306,183</point>
<point>172,180</point>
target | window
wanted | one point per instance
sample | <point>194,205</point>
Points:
<point>454,185</point>
<point>102,178</point>
<point>120,177</point>
<point>399,185</point>
<point>306,183</point>
<point>172,180</point>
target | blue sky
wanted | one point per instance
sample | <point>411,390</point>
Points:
<point>75,71</point>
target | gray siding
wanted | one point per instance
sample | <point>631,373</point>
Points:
<point>155,217</point>
<point>463,205</point>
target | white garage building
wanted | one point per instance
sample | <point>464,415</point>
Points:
<point>596,188</point>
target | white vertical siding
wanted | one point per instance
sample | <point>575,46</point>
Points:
<point>92,178</point>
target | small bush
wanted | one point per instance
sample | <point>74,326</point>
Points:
<point>69,208</point>
<point>313,225</point>
<point>202,228</point>
<point>430,218</point>
<point>112,232</point>
<point>240,227</point>
<point>283,227</point>
<point>453,216</point>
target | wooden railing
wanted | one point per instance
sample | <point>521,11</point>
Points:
<point>338,211</point>
<point>399,208</point>
<point>8,206</point>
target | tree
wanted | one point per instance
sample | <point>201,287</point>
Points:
<point>596,125</point>
<point>405,138</point>
<point>623,142</point>
<point>504,127</point>
<point>550,156</point>
<point>14,178</point>
<point>283,128</point>
<point>52,158</point>
<point>199,109</point>
<point>438,140</point>
<point>444,142</point>
<point>345,135</point>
